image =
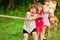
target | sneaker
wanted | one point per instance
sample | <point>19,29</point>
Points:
<point>45,39</point>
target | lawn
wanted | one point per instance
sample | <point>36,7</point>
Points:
<point>12,29</point>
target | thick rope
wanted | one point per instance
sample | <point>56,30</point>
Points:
<point>15,17</point>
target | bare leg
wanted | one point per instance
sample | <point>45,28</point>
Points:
<point>34,35</point>
<point>54,21</point>
<point>44,32</point>
<point>55,24</point>
<point>49,31</point>
<point>41,35</point>
<point>37,35</point>
<point>25,36</point>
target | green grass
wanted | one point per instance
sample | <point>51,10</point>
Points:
<point>12,29</point>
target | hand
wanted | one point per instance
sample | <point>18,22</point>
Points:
<point>39,16</point>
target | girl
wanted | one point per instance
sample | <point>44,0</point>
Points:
<point>53,19</point>
<point>39,22</point>
<point>29,25</point>
<point>46,17</point>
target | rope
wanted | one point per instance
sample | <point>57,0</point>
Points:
<point>15,17</point>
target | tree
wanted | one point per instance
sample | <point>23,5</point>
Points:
<point>35,1</point>
<point>10,5</point>
<point>58,2</point>
<point>0,3</point>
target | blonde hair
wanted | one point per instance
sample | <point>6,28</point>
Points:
<point>39,4</point>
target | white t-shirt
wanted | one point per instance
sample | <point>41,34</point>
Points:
<point>29,25</point>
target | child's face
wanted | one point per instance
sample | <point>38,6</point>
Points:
<point>33,10</point>
<point>46,3</point>
<point>54,1</point>
<point>39,8</point>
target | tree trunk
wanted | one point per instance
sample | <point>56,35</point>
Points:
<point>0,3</point>
<point>35,1</point>
<point>58,2</point>
<point>10,5</point>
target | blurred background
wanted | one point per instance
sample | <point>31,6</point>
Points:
<point>12,29</point>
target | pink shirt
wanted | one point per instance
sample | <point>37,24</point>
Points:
<point>40,19</point>
<point>39,22</point>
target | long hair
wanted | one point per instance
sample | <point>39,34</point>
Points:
<point>39,4</point>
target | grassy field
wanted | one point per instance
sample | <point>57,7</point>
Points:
<point>12,29</point>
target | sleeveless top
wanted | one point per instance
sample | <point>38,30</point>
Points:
<point>29,25</point>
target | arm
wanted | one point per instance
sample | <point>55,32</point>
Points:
<point>28,16</point>
<point>41,13</point>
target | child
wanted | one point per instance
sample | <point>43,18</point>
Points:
<point>46,17</point>
<point>29,25</point>
<point>53,19</point>
<point>39,22</point>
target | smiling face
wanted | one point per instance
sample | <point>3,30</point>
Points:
<point>33,10</point>
<point>39,7</point>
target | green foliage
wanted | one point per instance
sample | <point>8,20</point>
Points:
<point>57,13</point>
<point>42,2</point>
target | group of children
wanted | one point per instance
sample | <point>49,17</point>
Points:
<point>37,20</point>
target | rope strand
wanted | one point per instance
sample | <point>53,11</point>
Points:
<point>15,17</point>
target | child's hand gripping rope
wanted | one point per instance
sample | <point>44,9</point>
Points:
<point>15,17</point>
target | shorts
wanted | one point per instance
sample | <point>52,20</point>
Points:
<point>24,31</point>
